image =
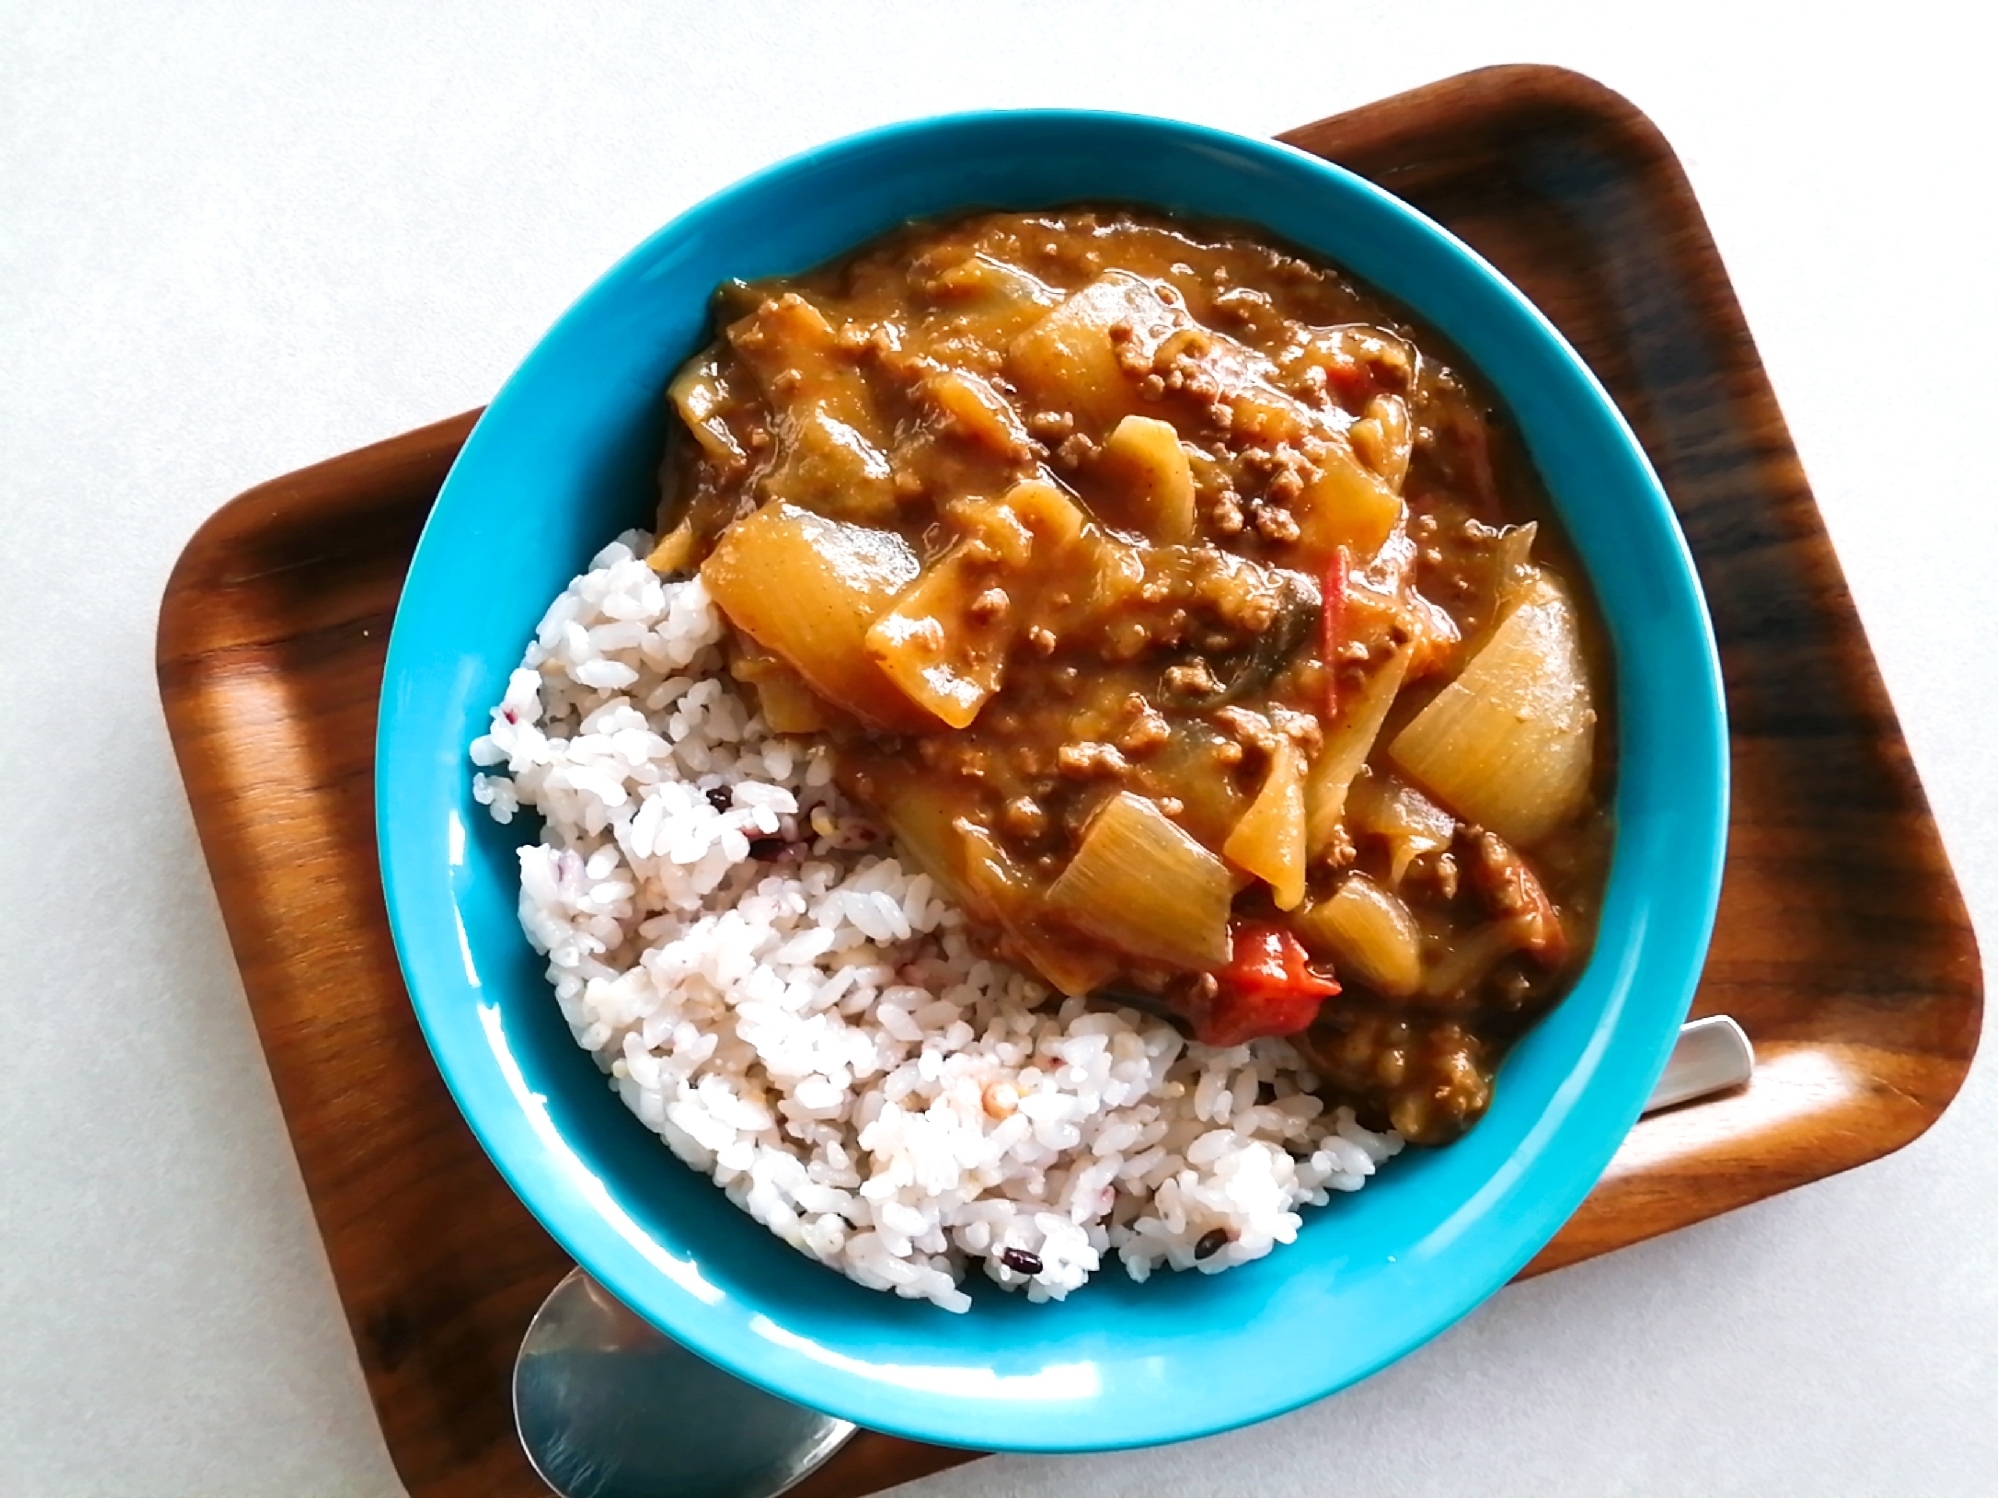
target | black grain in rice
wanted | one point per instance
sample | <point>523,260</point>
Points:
<point>1020,1261</point>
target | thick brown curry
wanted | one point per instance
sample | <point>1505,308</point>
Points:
<point>1180,613</point>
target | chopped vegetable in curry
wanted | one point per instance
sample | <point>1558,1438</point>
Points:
<point>1182,616</point>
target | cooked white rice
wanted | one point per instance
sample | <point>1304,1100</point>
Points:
<point>805,1021</point>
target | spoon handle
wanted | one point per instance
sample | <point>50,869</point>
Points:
<point>1711,1055</point>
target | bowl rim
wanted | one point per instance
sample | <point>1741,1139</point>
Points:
<point>653,1295</point>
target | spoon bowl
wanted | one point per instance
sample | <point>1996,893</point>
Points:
<point>607,1407</point>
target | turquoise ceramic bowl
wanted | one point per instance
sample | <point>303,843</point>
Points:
<point>564,459</point>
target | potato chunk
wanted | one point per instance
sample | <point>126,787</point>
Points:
<point>974,410</point>
<point>1003,299</point>
<point>674,551</point>
<point>945,640</point>
<point>787,703</point>
<point>832,467</point>
<point>807,589</point>
<point>1348,505</point>
<point>998,884</point>
<point>1145,481</point>
<point>1069,360</point>
<point>1348,742</point>
<point>795,355</point>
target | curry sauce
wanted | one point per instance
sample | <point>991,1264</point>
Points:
<point>1183,614</point>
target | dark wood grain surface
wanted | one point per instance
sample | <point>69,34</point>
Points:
<point>1842,945</point>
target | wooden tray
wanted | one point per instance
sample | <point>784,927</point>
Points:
<point>1842,944</point>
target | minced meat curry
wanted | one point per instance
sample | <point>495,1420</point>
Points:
<point>1182,615</point>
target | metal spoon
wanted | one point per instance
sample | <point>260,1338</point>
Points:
<point>607,1407</point>
<point>1711,1055</point>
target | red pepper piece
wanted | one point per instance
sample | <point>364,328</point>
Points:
<point>1348,376</point>
<point>1268,988</point>
<point>1332,629</point>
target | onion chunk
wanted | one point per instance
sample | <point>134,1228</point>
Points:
<point>1510,743</point>
<point>1269,840</point>
<point>1347,744</point>
<point>1140,883</point>
<point>1369,933</point>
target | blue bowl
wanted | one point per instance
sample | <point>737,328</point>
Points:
<point>564,459</point>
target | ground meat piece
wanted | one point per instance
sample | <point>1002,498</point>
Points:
<point>1446,876</point>
<point>990,606</point>
<point>1511,889</point>
<point>1247,727</point>
<point>1191,680</point>
<point>1147,731</point>
<point>1126,639</point>
<point>1030,761</point>
<point>1302,729</point>
<point>1427,1078</point>
<point>1091,760</point>
<point>1274,523</point>
<point>1024,817</point>
<point>1242,305</point>
<point>1245,601</point>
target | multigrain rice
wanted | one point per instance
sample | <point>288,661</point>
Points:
<point>807,1022</point>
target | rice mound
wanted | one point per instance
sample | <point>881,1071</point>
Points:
<point>807,1022</point>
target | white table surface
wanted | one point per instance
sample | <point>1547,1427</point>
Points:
<point>237,239</point>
